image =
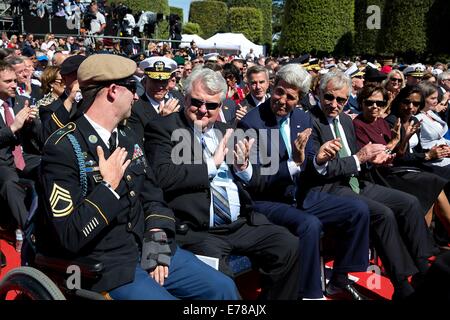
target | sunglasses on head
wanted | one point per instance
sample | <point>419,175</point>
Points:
<point>130,85</point>
<point>378,103</point>
<point>209,105</point>
<point>408,102</point>
<point>330,97</point>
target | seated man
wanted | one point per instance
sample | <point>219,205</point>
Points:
<point>212,208</point>
<point>103,204</point>
<point>397,225</point>
<point>283,136</point>
<point>20,140</point>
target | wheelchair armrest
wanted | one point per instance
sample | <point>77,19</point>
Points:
<point>89,268</point>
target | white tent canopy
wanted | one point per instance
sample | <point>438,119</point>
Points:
<point>189,37</point>
<point>235,41</point>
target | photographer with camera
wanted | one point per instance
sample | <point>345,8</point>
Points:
<point>95,21</point>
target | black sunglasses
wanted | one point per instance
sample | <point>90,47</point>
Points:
<point>329,97</point>
<point>130,85</point>
<point>396,80</point>
<point>209,105</point>
<point>408,102</point>
<point>378,103</point>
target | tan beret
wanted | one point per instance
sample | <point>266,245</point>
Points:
<point>104,67</point>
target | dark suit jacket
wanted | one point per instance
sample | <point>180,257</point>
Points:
<point>353,105</point>
<point>186,186</point>
<point>30,137</point>
<point>142,113</point>
<point>229,108</point>
<point>250,103</point>
<point>279,186</point>
<point>339,169</point>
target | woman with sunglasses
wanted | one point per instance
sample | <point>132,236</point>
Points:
<point>52,86</point>
<point>394,82</point>
<point>406,173</point>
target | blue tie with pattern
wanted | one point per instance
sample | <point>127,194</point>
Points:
<point>285,136</point>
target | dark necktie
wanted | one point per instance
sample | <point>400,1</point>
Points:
<point>112,142</point>
<point>353,181</point>
<point>17,151</point>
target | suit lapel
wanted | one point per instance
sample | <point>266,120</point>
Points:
<point>349,133</point>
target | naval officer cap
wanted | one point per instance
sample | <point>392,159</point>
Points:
<point>158,68</point>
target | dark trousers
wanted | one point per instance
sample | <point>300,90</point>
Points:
<point>398,228</point>
<point>13,192</point>
<point>348,217</point>
<point>271,248</point>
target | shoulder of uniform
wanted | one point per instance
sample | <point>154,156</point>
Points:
<point>59,134</point>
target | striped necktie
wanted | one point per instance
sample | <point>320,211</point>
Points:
<point>221,205</point>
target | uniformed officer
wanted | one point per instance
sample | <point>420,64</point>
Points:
<point>103,203</point>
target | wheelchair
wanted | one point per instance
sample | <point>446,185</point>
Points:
<point>46,279</point>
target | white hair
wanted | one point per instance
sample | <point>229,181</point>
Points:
<point>295,75</point>
<point>339,80</point>
<point>212,81</point>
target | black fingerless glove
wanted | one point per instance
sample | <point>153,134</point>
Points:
<point>155,250</point>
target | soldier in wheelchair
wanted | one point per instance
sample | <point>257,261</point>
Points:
<point>102,216</point>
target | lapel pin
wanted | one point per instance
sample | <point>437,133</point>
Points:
<point>93,138</point>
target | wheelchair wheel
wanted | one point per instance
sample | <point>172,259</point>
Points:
<point>29,284</point>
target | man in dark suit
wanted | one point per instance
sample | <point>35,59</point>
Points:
<point>283,133</point>
<point>24,85</point>
<point>114,212</point>
<point>20,142</point>
<point>155,102</point>
<point>398,228</point>
<point>207,194</point>
<point>258,84</point>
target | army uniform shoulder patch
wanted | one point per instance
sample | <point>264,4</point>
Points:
<point>56,136</point>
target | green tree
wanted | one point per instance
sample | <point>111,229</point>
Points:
<point>178,11</point>
<point>191,28</point>
<point>437,23</point>
<point>161,30</point>
<point>369,39</point>
<point>158,6</point>
<point>210,15</point>
<point>248,21</point>
<point>406,28</point>
<point>266,9</point>
<point>277,14</point>
<point>322,26</point>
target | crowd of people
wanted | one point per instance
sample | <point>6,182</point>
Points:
<point>147,157</point>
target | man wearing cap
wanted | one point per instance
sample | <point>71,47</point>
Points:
<point>156,101</point>
<point>206,192</point>
<point>106,205</point>
<point>414,74</point>
<point>357,77</point>
<point>57,114</point>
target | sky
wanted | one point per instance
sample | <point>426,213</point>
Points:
<point>184,4</point>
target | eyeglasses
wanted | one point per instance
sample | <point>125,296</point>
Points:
<point>408,102</point>
<point>280,92</point>
<point>209,105</point>
<point>130,85</point>
<point>396,80</point>
<point>377,103</point>
<point>330,98</point>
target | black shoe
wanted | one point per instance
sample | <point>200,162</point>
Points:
<point>2,260</point>
<point>347,292</point>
